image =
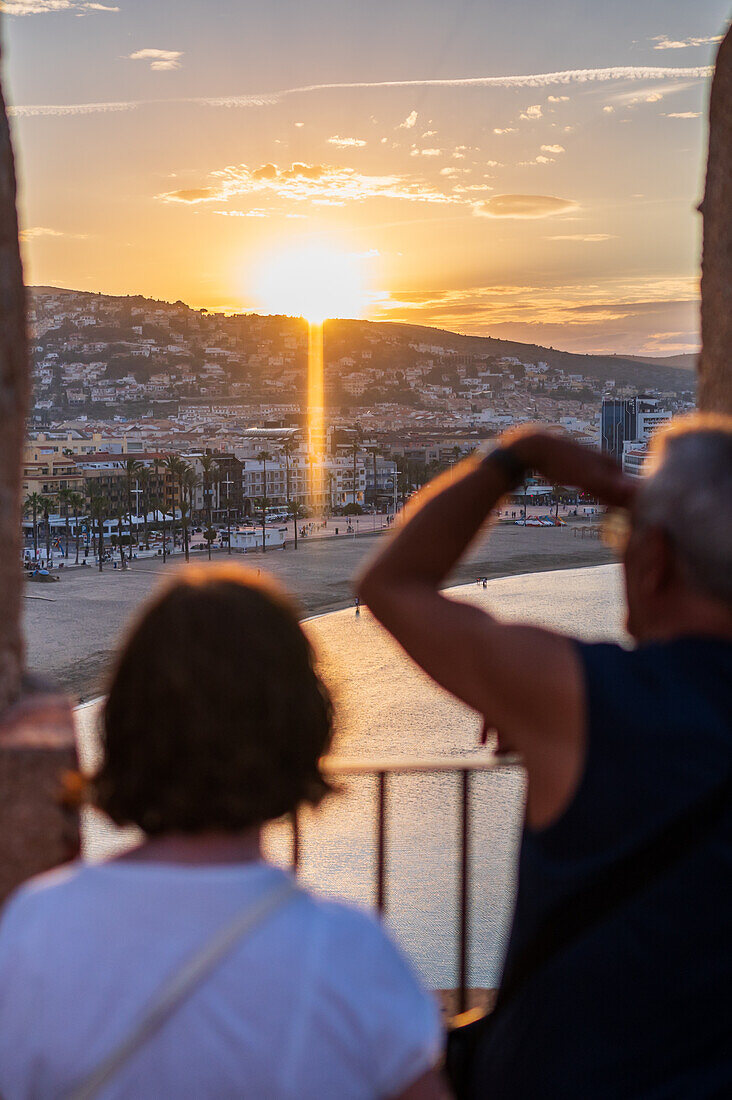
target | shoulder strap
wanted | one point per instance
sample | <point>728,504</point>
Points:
<point>611,888</point>
<point>181,985</point>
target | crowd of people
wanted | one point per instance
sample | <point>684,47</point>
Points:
<point>189,966</point>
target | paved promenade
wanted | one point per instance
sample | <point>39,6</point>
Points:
<point>72,627</point>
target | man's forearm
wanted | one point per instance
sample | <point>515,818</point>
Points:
<point>451,513</point>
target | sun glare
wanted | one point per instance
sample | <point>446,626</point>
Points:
<point>314,282</point>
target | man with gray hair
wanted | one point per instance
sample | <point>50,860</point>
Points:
<point>619,966</point>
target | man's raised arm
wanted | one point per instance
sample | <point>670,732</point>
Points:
<point>525,682</point>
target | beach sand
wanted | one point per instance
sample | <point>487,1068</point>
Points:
<point>72,628</point>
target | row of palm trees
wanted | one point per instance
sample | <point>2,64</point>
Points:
<point>97,507</point>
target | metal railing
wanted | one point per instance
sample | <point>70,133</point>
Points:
<point>385,767</point>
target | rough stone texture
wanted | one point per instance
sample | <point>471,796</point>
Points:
<point>36,734</point>
<point>39,826</point>
<point>715,365</point>
<point>14,390</point>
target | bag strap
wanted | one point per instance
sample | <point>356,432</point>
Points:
<point>181,985</point>
<point>586,908</point>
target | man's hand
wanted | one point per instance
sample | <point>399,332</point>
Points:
<point>561,461</point>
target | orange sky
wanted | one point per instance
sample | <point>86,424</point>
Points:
<point>538,186</point>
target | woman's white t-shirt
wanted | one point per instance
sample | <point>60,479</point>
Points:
<point>314,1002</point>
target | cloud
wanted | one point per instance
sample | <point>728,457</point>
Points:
<point>606,316</point>
<point>426,153</point>
<point>159,59</point>
<point>557,98</point>
<point>47,7</point>
<point>684,114</point>
<point>662,42</point>
<point>265,99</point>
<point>525,206</point>
<point>35,231</point>
<point>505,130</point>
<point>41,110</point>
<point>590,237</point>
<point>323,185</point>
<point>193,195</point>
<point>532,112</point>
<point>553,149</point>
<point>346,142</point>
<point>608,109</point>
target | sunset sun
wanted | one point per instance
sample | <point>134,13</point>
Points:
<point>313,281</point>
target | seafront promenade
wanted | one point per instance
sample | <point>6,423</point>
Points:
<point>72,627</point>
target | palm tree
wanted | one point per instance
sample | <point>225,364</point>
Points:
<point>64,497</point>
<point>132,468</point>
<point>98,508</point>
<point>120,536</point>
<point>143,479</point>
<point>264,457</point>
<point>354,450</point>
<point>173,465</point>
<point>32,505</point>
<point>47,505</point>
<point>76,503</point>
<point>296,511</point>
<point>209,469</point>
<point>188,483</point>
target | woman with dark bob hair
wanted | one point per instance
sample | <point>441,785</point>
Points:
<point>188,966</point>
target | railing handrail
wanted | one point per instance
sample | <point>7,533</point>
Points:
<point>391,765</point>
<point>382,768</point>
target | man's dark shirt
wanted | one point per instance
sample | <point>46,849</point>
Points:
<point>641,1004</point>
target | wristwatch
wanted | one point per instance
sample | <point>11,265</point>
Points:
<point>506,460</point>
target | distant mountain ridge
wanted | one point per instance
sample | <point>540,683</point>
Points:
<point>670,373</point>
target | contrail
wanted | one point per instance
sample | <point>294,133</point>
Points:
<point>267,99</point>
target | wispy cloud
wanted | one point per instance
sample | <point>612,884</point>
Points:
<point>609,315</point>
<point>40,110</point>
<point>48,7</point>
<point>683,114</point>
<point>346,142</point>
<point>663,42</point>
<point>588,237</point>
<point>159,59</point>
<point>555,149</point>
<point>263,99</point>
<point>525,206</point>
<point>35,231</point>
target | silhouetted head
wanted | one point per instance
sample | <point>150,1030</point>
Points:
<point>216,719</point>
<point>678,558</point>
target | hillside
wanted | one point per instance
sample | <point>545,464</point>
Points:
<point>642,373</point>
<point>391,341</point>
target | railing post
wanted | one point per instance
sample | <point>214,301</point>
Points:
<point>295,823</point>
<point>464,944</point>
<point>381,844</point>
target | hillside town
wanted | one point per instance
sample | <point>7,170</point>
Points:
<point>146,412</point>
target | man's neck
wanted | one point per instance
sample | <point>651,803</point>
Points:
<point>198,848</point>
<point>689,618</point>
